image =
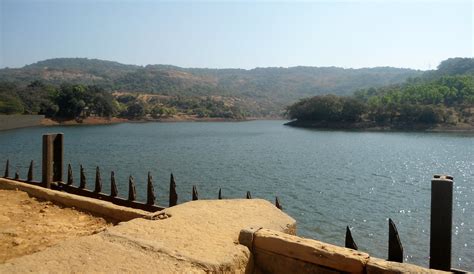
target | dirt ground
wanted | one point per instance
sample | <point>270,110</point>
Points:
<point>29,225</point>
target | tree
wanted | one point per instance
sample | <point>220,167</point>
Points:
<point>352,110</point>
<point>70,100</point>
<point>135,111</point>
<point>73,99</point>
<point>10,105</point>
<point>430,115</point>
<point>103,105</point>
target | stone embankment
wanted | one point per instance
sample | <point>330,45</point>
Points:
<point>277,252</point>
<point>217,236</point>
<point>194,237</point>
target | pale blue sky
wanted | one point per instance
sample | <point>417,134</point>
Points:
<point>413,34</point>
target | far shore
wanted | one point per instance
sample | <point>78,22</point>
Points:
<point>368,126</point>
<point>16,121</point>
<point>360,126</point>
<point>115,120</point>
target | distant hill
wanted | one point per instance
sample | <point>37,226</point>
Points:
<point>452,67</point>
<point>271,88</point>
<point>83,64</point>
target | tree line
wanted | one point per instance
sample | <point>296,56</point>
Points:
<point>72,101</point>
<point>445,99</point>
<point>65,101</point>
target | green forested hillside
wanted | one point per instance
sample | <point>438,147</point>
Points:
<point>444,96</point>
<point>261,91</point>
<point>67,86</point>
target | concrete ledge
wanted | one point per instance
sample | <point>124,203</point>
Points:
<point>246,236</point>
<point>98,207</point>
<point>312,251</point>
<point>269,262</point>
<point>276,252</point>
<point>379,266</point>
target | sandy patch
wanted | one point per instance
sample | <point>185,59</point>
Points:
<point>28,225</point>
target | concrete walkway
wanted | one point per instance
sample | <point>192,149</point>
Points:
<point>193,237</point>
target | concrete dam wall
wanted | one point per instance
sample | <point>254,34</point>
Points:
<point>19,121</point>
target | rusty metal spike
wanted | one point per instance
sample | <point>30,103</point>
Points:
<point>220,194</point>
<point>98,181</point>
<point>350,243</point>
<point>277,203</point>
<point>7,169</point>
<point>195,193</point>
<point>113,185</point>
<point>249,196</point>
<point>132,193</point>
<point>173,195</point>
<point>17,176</point>
<point>70,177</point>
<point>82,183</point>
<point>150,197</point>
<point>395,248</point>
<point>30,172</point>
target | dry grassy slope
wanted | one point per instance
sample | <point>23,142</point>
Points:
<point>150,99</point>
<point>61,75</point>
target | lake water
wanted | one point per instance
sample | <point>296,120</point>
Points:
<point>324,179</point>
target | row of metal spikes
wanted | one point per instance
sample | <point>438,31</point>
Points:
<point>151,198</point>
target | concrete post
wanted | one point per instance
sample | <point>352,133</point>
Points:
<point>441,222</point>
<point>47,164</point>
<point>58,157</point>
<point>53,154</point>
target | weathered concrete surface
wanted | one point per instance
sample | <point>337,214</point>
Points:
<point>94,254</point>
<point>19,121</point>
<point>269,262</point>
<point>308,250</point>
<point>97,207</point>
<point>198,236</point>
<point>379,266</point>
<point>276,252</point>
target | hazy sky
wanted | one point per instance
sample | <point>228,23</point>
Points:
<point>413,34</point>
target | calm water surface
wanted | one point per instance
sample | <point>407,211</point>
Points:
<point>324,179</point>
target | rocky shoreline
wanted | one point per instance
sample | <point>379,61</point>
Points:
<point>115,120</point>
<point>16,121</point>
<point>371,126</point>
